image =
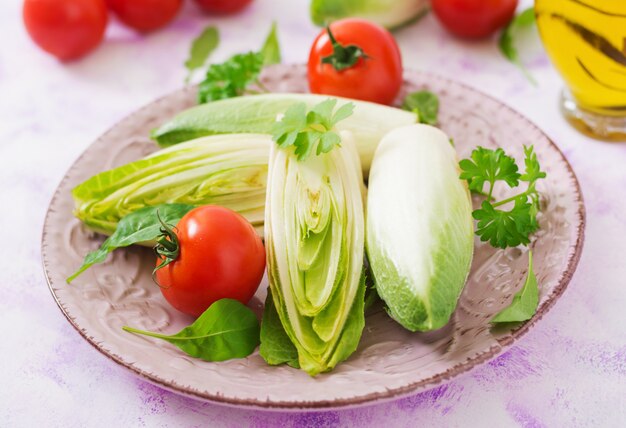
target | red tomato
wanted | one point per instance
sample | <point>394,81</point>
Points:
<point>145,15</point>
<point>474,18</point>
<point>376,76</point>
<point>223,6</point>
<point>221,256</point>
<point>67,29</point>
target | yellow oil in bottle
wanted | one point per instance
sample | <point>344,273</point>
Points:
<point>586,41</point>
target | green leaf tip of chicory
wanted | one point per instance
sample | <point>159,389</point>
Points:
<point>390,14</point>
<point>525,302</point>
<point>227,329</point>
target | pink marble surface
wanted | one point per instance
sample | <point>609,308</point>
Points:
<point>570,370</point>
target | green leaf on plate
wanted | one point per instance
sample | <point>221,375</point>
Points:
<point>271,49</point>
<point>423,103</point>
<point>227,329</point>
<point>525,302</point>
<point>276,347</point>
<point>139,226</point>
<point>201,47</point>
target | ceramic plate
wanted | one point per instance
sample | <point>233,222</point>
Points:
<point>390,361</point>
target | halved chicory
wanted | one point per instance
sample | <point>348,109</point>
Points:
<point>419,226</point>
<point>314,236</point>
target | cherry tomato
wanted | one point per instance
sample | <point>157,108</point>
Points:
<point>367,62</point>
<point>223,6</point>
<point>67,29</point>
<point>474,18</point>
<point>220,256</point>
<point>145,15</point>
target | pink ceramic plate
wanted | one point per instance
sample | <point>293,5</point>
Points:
<point>390,362</point>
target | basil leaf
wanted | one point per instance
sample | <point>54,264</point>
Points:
<point>423,103</point>
<point>227,329</point>
<point>201,48</point>
<point>139,226</point>
<point>525,302</point>
<point>522,20</point>
<point>271,49</point>
<point>276,347</point>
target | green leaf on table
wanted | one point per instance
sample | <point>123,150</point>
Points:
<point>276,347</point>
<point>201,47</point>
<point>506,43</point>
<point>227,329</point>
<point>423,103</point>
<point>313,129</point>
<point>139,226</point>
<point>271,48</point>
<point>525,302</point>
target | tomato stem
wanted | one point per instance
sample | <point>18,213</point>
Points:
<point>343,56</point>
<point>167,247</point>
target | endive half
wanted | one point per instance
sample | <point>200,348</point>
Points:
<point>419,226</point>
<point>314,236</point>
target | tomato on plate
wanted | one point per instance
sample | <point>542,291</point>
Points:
<point>358,59</point>
<point>474,18</point>
<point>145,15</point>
<point>213,253</point>
<point>67,29</point>
<point>223,6</point>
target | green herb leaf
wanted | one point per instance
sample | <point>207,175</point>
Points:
<point>227,329</point>
<point>276,347</point>
<point>423,103</point>
<point>489,166</point>
<point>310,130</point>
<point>505,228</point>
<point>523,20</point>
<point>201,47</point>
<point>271,49</point>
<point>142,225</point>
<point>230,78</point>
<point>502,228</point>
<point>525,302</point>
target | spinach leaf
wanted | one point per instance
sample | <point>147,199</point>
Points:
<point>139,226</point>
<point>525,302</point>
<point>423,103</point>
<point>227,329</point>
<point>276,347</point>
<point>201,47</point>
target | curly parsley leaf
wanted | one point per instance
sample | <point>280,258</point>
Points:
<point>424,104</point>
<point>310,130</point>
<point>489,166</point>
<point>500,227</point>
<point>233,77</point>
<point>523,20</point>
<point>201,47</point>
<point>525,302</point>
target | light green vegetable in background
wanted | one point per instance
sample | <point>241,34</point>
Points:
<point>228,170</point>
<point>388,13</point>
<point>201,48</point>
<point>314,238</point>
<point>257,114</point>
<point>419,226</point>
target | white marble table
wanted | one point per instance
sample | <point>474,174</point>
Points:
<point>570,370</point>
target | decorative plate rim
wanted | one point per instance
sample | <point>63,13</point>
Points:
<point>574,255</point>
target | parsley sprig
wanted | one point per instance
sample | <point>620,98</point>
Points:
<point>312,129</point>
<point>504,228</point>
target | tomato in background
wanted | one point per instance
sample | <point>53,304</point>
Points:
<point>145,15</point>
<point>220,256</point>
<point>223,6</point>
<point>474,18</point>
<point>375,76</point>
<point>67,29</point>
